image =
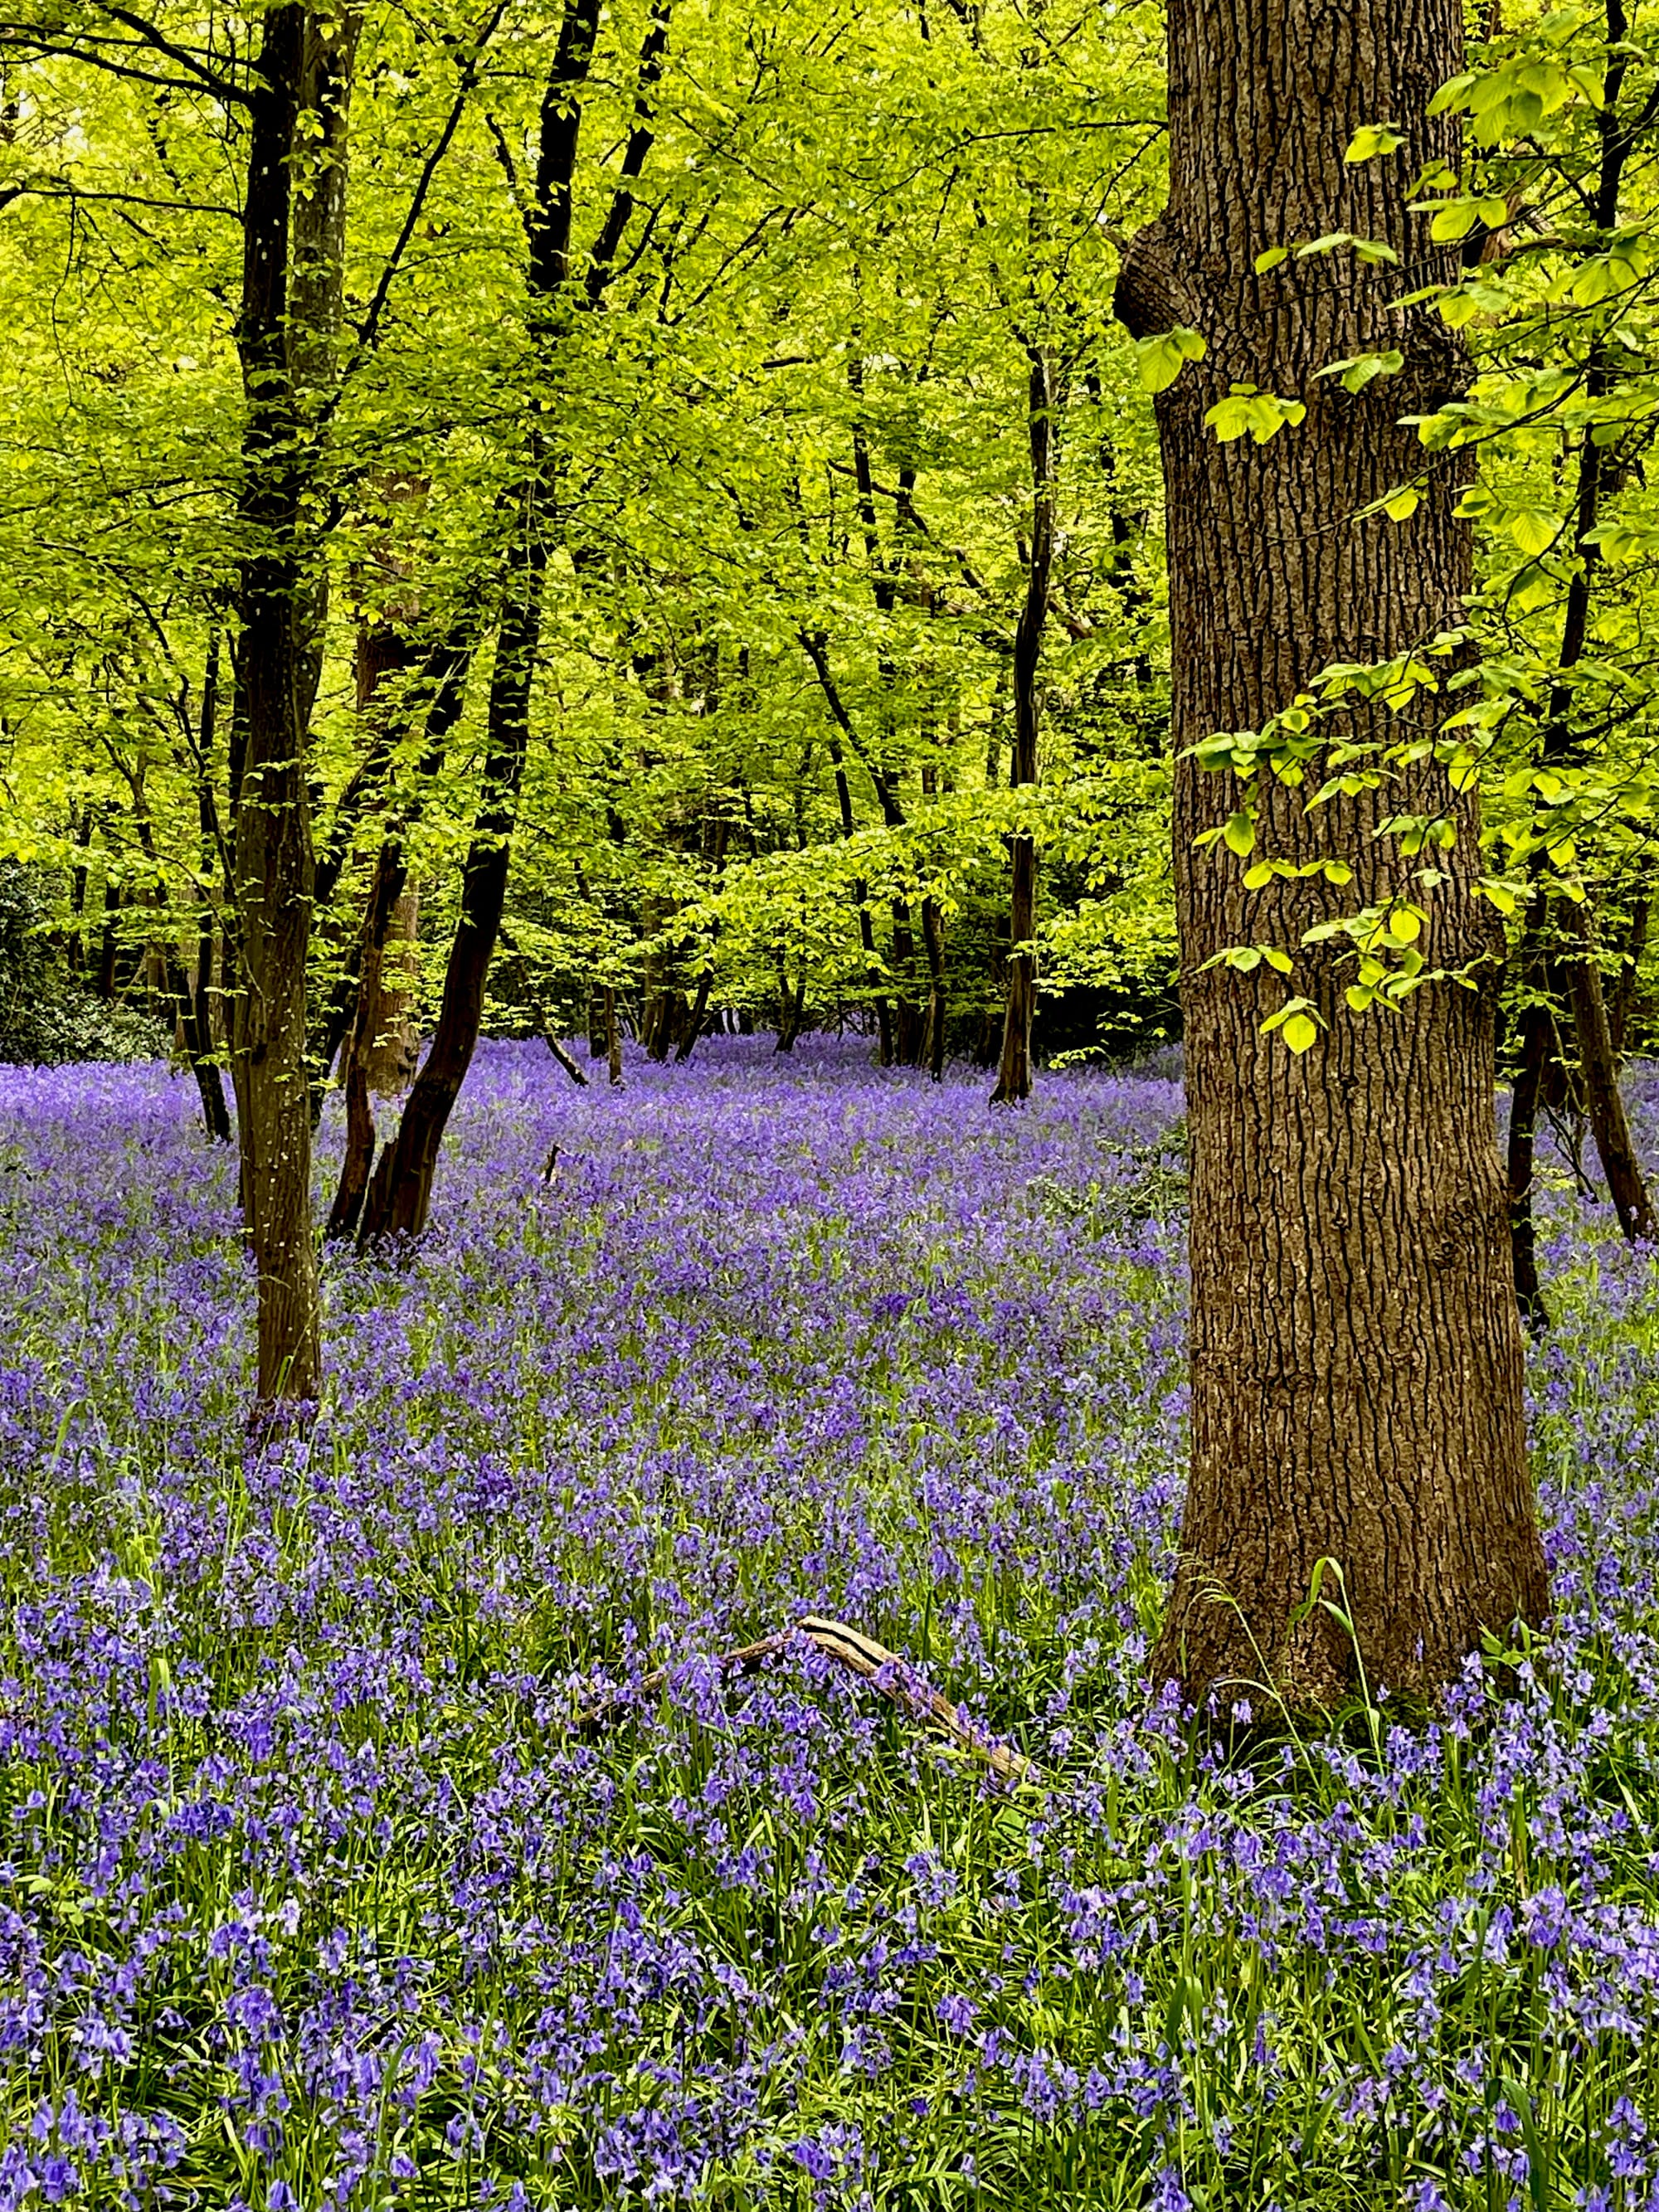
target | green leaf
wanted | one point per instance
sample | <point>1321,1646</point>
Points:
<point>1239,833</point>
<point>1454,94</point>
<point>1161,357</point>
<point>1534,529</point>
<point>1271,258</point>
<point>1359,371</point>
<point>1260,413</point>
<point>1373,139</point>
<point>1299,1032</point>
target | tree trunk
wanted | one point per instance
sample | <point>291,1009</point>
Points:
<point>792,1011</point>
<point>104,981</point>
<point>401,1191</point>
<point>817,653</point>
<point>613,1051</point>
<point>358,1158</point>
<point>1014,1070</point>
<point>271,805</point>
<point>1540,1053</point>
<point>1356,1351</point>
<point>1598,1055</point>
<point>932,937</point>
<point>359,1155</point>
<point>396,1049</point>
<point>317,276</point>
<point>1623,1008</point>
<point>190,1005</point>
<point>448,668</point>
<point>203,1045</point>
<point>1625,1184</point>
<point>909,1018</point>
<point>697,1016</point>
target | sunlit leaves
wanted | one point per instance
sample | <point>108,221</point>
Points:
<point>1298,1023</point>
<point>1246,411</point>
<point>1373,139</point>
<point>1161,357</point>
<point>1360,369</point>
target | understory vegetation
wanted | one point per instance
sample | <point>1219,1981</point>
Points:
<point>353,1852</point>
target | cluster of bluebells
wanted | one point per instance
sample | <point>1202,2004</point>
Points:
<point>379,1827</point>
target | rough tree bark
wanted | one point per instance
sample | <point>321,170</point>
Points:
<point>1356,1351</point>
<point>1014,1069</point>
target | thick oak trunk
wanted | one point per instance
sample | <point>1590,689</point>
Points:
<point>1356,1351</point>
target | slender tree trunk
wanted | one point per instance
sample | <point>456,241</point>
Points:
<point>328,63</point>
<point>1598,1056</point>
<point>1356,1351</point>
<point>697,1016</point>
<point>75,948</point>
<point>103,982</point>
<point>1014,1070</point>
<point>1536,1040</point>
<point>1623,1007</point>
<point>448,669</point>
<point>1539,1051</point>
<point>932,937</point>
<point>1625,1184</point>
<point>817,653</point>
<point>273,868</point>
<point>358,1159</point>
<point>792,1011</point>
<point>909,1018</point>
<point>613,1051</point>
<point>396,1051</point>
<point>401,1190</point>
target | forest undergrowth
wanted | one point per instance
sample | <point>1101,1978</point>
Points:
<point>321,1885</point>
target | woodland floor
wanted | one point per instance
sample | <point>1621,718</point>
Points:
<point>311,1891</point>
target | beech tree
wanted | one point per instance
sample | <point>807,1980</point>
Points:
<point>1356,1351</point>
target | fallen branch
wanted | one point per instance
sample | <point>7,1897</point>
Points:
<point>871,1663</point>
